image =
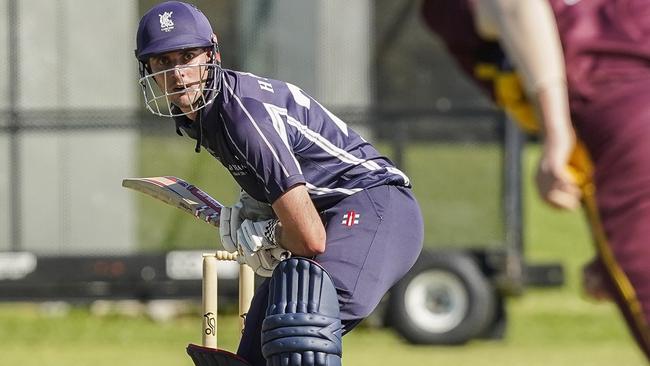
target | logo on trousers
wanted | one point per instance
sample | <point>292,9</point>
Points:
<point>350,218</point>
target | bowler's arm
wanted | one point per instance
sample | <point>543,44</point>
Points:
<point>528,33</point>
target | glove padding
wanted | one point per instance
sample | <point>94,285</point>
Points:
<point>232,217</point>
<point>229,223</point>
<point>257,250</point>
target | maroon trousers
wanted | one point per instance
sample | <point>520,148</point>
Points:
<point>616,131</point>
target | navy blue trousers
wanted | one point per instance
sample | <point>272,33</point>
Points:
<point>373,239</point>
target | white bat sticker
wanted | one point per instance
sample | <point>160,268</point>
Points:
<point>178,193</point>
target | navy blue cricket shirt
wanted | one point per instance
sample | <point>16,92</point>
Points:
<point>271,136</point>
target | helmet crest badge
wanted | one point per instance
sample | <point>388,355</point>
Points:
<point>166,23</point>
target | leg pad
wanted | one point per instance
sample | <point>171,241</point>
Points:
<point>302,325</point>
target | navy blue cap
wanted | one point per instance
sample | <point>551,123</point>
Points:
<point>171,26</point>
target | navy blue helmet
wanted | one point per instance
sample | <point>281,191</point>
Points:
<point>176,26</point>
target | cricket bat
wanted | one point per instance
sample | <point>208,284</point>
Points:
<point>180,194</point>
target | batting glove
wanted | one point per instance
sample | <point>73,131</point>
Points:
<point>229,223</point>
<point>232,217</point>
<point>257,245</point>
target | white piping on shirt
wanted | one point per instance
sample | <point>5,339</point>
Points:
<point>319,191</point>
<point>250,118</point>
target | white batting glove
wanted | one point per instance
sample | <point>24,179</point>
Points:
<point>232,217</point>
<point>256,244</point>
<point>229,223</point>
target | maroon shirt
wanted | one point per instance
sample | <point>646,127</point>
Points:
<point>606,43</point>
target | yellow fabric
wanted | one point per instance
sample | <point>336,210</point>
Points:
<point>510,95</point>
<point>582,169</point>
<point>615,272</point>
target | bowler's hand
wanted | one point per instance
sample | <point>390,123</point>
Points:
<point>555,183</point>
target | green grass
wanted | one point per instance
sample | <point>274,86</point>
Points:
<point>546,327</point>
<point>458,188</point>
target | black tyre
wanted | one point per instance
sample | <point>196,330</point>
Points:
<point>444,299</point>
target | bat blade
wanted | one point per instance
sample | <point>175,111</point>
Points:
<point>180,194</point>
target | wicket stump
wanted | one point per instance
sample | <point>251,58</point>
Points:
<point>208,354</point>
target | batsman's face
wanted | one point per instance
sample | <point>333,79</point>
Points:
<point>181,75</point>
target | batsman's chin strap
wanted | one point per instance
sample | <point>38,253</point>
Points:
<point>187,123</point>
<point>193,126</point>
<point>215,77</point>
<point>199,137</point>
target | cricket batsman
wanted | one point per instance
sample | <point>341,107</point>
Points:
<point>584,68</point>
<point>329,222</point>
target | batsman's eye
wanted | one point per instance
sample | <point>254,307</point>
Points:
<point>160,62</point>
<point>191,55</point>
<point>187,57</point>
